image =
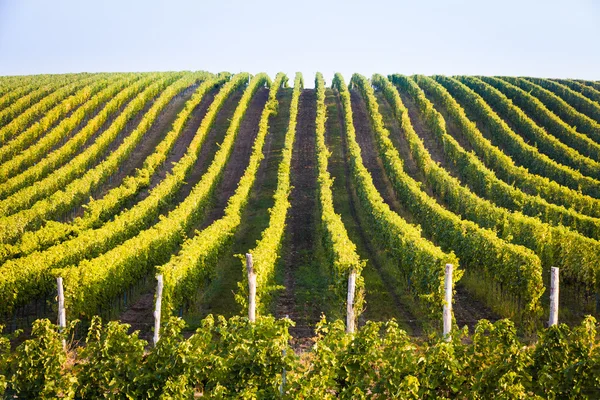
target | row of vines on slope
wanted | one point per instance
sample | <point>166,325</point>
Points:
<point>100,210</point>
<point>186,271</point>
<point>577,256</point>
<point>512,270</point>
<point>267,249</point>
<point>49,110</point>
<point>420,263</point>
<point>341,251</point>
<point>460,99</point>
<point>477,176</point>
<point>48,166</point>
<point>94,282</point>
<point>25,278</point>
<point>516,147</point>
<point>78,190</point>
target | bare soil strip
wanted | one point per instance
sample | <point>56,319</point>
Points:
<point>301,229</point>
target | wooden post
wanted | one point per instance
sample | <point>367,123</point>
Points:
<point>283,374</point>
<point>62,316</point>
<point>157,309</point>
<point>448,302</point>
<point>553,296</point>
<point>350,302</point>
<point>251,288</point>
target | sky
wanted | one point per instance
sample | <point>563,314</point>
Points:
<point>558,39</point>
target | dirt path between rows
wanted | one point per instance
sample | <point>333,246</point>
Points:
<point>301,224</point>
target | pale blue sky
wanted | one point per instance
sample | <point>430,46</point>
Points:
<point>507,37</point>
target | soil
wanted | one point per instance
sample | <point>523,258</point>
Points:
<point>140,316</point>
<point>468,310</point>
<point>301,224</point>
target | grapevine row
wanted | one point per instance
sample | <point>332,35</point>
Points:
<point>515,268</point>
<point>537,135</point>
<point>29,276</point>
<point>477,176</point>
<point>57,105</point>
<point>267,249</point>
<point>341,251</point>
<point>94,282</point>
<point>419,261</point>
<point>558,106</point>
<point>52,165</point>
<point>577,256</point>
<point>527,154</point>
<point>188,269</point>
<point>586,109</point>
<point>22,98</point>
<point>97,211</point>
<point>78,190</point>
<point>18,153</point>
<point>587,91</point>
<point>549,121</point>
<point>449,93</point>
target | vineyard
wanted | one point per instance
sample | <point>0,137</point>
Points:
<point>351,200</point>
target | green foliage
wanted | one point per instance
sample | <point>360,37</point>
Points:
<point>580,110</point>
<point>576,255</point>
<point>4,361</point>
<point>29,276</point>
<point>515,268</point>
<point>93,282</point>
<point>109,363</point>
<point>550,129</point>
<point>341,251</point>
<point>474,172</point>
<point>516,146</point>
<point>238,359</point>
<point>266,252</point>
<point>37,365</point>
<point>196,259</point>
<point>48,109</point>
<point>97,211</point>
<point>493,156</point>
